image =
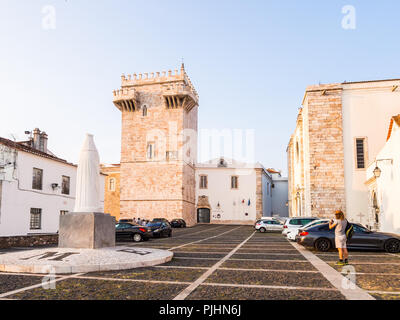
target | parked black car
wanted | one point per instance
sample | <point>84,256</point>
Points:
<point>178,223</point>
<point>159,220</point>
<point>323,239</point>
<point>160,229</point>
<point>130,231</point>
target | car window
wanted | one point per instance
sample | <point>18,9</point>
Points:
<point>306,221</point>
<point>295,222</point>
<point>121,226</point>
<point>359,229</point>
<point>324,227</point>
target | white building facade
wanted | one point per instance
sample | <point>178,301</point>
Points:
<point>35,189</point>
<point>383,181</point>
<point>229,192</point>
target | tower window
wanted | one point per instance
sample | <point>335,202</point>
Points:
<point>144,111</point>
<point>360,153</point>
<point>150,150</point>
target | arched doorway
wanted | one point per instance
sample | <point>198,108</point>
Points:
<point>203,215</point>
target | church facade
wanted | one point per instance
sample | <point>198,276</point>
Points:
<point>339,131</point>
<point>159,145</point>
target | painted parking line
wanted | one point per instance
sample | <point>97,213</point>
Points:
<point>186,292</point>
<point>242,253</point>
<point>201,240</point>
<point>335,278</point>
<point>10,293</point>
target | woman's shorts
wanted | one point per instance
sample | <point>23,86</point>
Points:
<point>341,242</point>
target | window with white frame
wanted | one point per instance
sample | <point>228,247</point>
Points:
<point>111,184</point>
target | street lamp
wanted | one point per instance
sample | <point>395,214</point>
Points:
<point>377,172</point>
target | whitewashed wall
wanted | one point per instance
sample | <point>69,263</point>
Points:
<point>18,197</point>
<point>219,190</point>
<point>388,185</point>
<point>367,110</point>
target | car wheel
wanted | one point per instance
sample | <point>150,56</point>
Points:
<point>323,245</point>
<point>392,246</point>
<point>137,237</point>
<point>263,230</point>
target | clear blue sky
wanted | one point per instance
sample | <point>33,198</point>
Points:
<point>249,60</point>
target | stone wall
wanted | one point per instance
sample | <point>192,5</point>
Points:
<point>325,150</point>
<point>316,179</point>
<point>112,197</point>
<point>28,241</point>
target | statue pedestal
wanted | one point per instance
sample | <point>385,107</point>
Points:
<point>86,231</point>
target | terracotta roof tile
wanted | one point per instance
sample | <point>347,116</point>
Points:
<point>22,147</point>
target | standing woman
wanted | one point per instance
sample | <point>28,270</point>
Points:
<point>340,224</point>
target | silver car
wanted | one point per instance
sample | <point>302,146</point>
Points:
<point>265,225</point>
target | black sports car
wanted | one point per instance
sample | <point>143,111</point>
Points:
<point>160,229</point>
<point>323,239</point>
<point>130,231</point>
<point>178,223</point>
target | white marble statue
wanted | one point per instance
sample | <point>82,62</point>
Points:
<point>88,178</point>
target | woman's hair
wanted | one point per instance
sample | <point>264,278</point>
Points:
<point>339,215</point>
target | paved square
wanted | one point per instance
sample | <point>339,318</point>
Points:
<point>214,262</point>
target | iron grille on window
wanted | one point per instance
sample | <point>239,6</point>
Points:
<point>65,185</point>
<point>360,154</point>
<point>37,179</point>
<point>36,219</point>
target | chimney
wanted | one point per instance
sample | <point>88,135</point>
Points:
<point>40,140</point>
<point>36,138</point>
<point>43,142</point>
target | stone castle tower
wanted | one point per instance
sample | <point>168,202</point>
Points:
<point>159,145</point>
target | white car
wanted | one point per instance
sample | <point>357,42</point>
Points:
<point>292,225</point>
<point>268,224</point>
<point>292,235</point>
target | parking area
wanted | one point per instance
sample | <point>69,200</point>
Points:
<point>218,262</point>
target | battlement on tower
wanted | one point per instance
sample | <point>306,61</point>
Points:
<point>179,91</point>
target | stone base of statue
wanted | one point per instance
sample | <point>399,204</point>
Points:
<point>86,231</point>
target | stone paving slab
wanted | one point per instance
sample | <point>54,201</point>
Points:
<point>268,257</point>
<point>12,282</point>
<point>270,278</point>
<point>191,262</point>
<point>273,265</point>
<point>379,283</point>
<point>152,273</point>
<point>229,293</point>
<point>86,289</point>
<point>385,296</point>
<point>67,261</point>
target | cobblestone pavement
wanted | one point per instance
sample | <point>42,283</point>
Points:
<point>218,262</point>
